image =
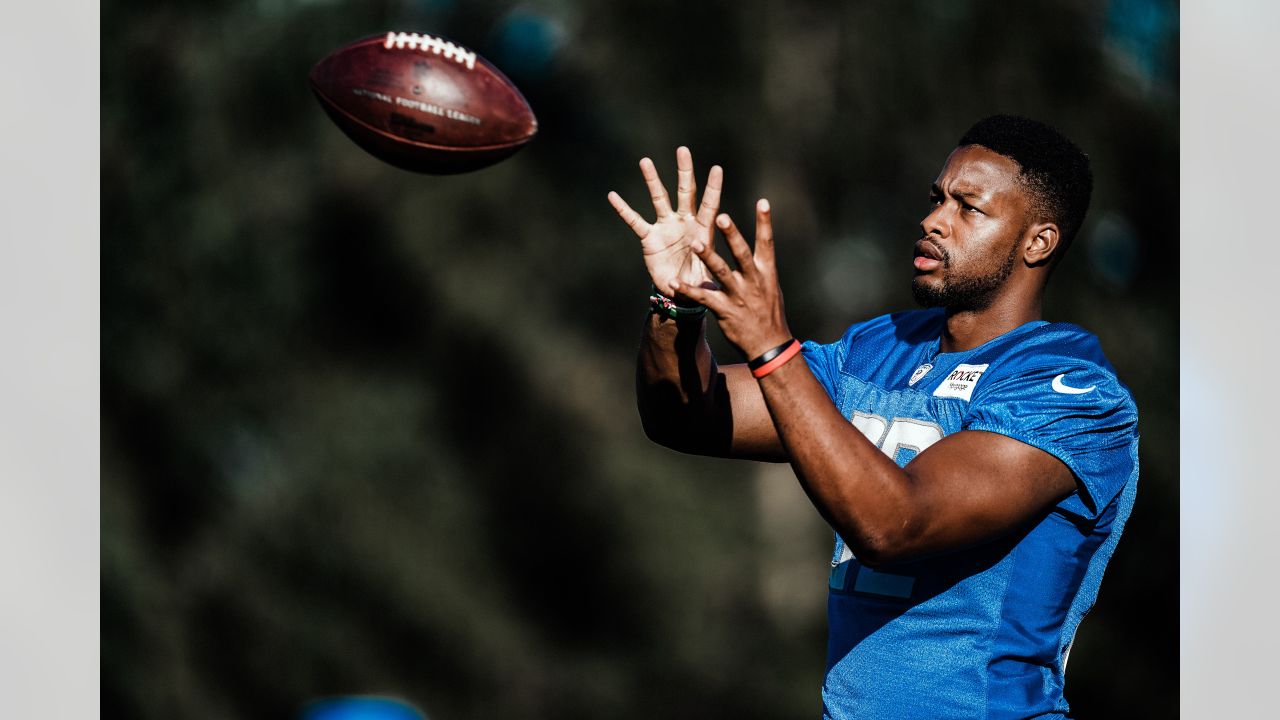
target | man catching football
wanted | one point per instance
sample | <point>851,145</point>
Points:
<point>976,462</point>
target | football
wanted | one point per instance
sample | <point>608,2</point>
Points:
<point>423,103</point>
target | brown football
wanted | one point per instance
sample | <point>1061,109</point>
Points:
<point>423,103</point>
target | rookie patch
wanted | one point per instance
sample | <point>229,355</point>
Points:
<point>960,382</point>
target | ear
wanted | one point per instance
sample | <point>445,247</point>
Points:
<point>1040,243</point>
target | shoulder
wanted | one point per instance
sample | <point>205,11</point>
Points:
<point>1053,360</point>
<point>1055,383</point>
<point>1067,343</point>
<point>880,346</point>
<point>877,344</point>
<point>1045,343</point>
<point>1053,388</point>
<point>909,327</point>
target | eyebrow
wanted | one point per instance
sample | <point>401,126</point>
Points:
<point>959,193</point>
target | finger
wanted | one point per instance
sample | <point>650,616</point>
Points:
<point>714,299</point>
<point>629,216</point>
<point>686,185</point>
<point>711,197</point>
<point>765,258</point>
<point>661,203</point>
<point>737,245</point>
<point>729,279</point>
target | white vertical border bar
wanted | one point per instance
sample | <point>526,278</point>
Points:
<point>49,366</point>
<point>1230,221</point>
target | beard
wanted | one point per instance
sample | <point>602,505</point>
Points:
<point>959,293</point>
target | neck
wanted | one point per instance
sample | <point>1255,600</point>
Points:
<point>967,329</point>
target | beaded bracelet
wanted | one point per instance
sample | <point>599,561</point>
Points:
<point>668,307</point>
<point>775,358</point>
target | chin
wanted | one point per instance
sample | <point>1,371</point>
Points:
<point>927,294</point>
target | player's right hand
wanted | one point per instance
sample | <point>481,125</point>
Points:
<point>667,241</point>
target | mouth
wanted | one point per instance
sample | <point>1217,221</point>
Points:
<point>928,256</point>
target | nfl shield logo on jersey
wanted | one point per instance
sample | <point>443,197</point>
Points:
<point>919,373</point>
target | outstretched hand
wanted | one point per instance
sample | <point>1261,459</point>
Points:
<point>667,242</point>
<point>748,303</point>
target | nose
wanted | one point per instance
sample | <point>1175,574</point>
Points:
<point>935,223</point>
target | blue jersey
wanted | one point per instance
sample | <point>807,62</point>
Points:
<point>983,632</point>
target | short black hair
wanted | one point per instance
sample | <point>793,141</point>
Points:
<point>1054,171</point>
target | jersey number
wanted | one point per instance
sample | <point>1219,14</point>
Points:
<point>898,434</point>
<point>892,437</point>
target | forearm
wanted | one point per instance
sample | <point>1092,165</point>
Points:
<point>679,390</point>
<point>675,366</point>
<point>858,489</point>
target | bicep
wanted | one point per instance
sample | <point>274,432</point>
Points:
<point>754,435</point>
<point>975,486</point>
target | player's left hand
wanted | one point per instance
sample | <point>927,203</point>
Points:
<point>748,304</point>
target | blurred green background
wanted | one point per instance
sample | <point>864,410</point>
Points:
<point>366,431</point>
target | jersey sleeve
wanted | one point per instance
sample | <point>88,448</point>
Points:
<point>824,360</point>
<point>1079,414</point>
<point>827,359</point>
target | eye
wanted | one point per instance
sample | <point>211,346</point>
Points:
<point>971,209</point>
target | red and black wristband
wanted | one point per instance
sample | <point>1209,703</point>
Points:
<point>773,359</point>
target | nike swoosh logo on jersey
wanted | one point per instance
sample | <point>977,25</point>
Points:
<point>1065,389</point>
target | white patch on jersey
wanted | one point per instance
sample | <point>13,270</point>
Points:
<point>961,381</point>
<point>919,373</point>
